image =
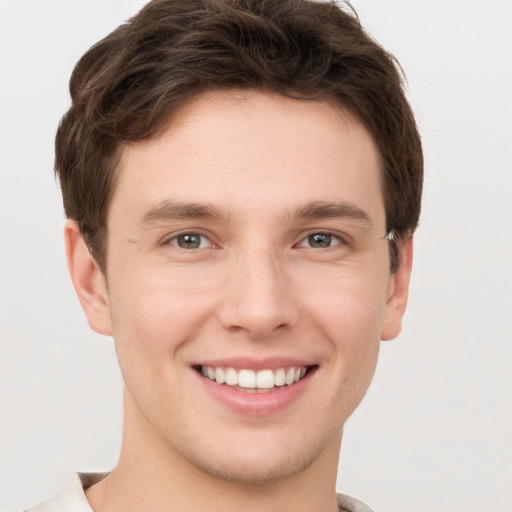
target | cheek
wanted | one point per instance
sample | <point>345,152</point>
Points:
<point>349,314</point>
<point>149,327</point>
<point>152,316</point>
<point>350,308</point>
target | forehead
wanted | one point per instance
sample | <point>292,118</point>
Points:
<point>250,151</point>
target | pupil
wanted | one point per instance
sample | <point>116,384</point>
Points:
<point>189,241</point>
<point>320,240</point>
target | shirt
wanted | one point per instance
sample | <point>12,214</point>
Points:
<point>71,497</point>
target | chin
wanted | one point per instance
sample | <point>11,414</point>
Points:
<point>261,460</point>
<point>254,470</point>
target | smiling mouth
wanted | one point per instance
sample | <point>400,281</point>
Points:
<point>251,381</point>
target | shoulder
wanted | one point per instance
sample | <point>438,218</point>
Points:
<point>71,498</point>
<point>349,504</point>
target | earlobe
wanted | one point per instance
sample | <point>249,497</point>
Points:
<point>398,293</point>
<point>88,280</point>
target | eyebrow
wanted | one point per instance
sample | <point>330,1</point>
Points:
<point>329,210</point>
<point>167,210</point>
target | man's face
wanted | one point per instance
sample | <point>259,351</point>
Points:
<point>245,244</point>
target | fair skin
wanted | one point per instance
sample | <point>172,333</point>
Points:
<point>247,236</point>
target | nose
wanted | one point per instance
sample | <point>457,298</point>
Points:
<point>258,298</point>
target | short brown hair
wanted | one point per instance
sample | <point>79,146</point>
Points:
<point>124,88</point>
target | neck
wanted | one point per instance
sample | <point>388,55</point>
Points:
<point>153,477</point>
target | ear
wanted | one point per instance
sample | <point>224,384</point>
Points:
<point>398,293</point>
<point>88,280</point>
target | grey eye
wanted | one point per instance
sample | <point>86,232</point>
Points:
<point>319,240</point>
<point>189,241</point>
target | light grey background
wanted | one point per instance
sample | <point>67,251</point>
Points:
<point>434,432</point>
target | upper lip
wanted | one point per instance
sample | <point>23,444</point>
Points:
<point>272,363</point>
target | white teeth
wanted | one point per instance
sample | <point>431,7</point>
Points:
<point>265,379</point>
<point>220,376</point>
<point>246,379</point>
<point>290,374</point>
<point>231,377</point>
<point>249,379</point>
<point>280,377</point>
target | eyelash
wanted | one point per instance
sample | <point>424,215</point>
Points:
<point>315,237</point>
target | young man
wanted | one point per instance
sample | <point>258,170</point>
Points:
<point>242,180</point>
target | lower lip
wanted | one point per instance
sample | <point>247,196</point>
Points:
<point>256,404</point>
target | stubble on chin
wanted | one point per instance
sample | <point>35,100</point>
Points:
<point>257,470</point>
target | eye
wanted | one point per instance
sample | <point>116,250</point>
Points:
<point>320,241</point>
<point>190,241</point>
